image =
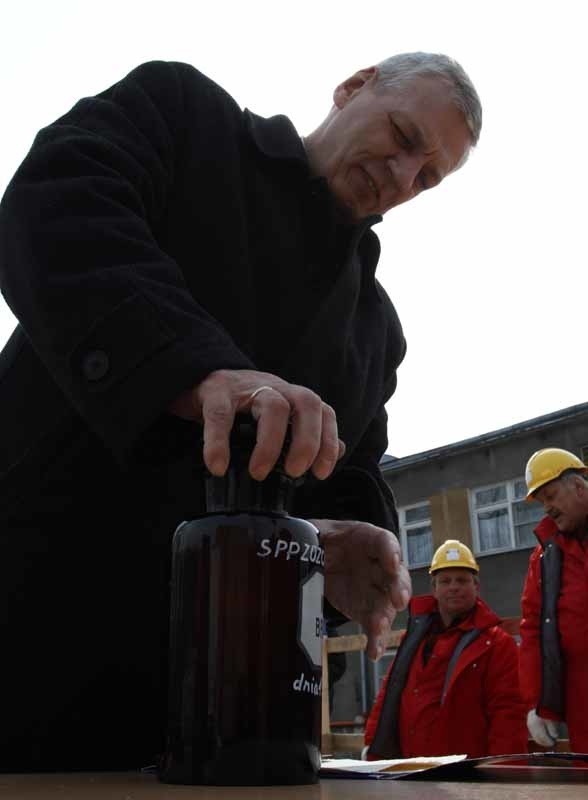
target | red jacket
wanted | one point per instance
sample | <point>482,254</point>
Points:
<point>482,712</point>
<point>572,626</point>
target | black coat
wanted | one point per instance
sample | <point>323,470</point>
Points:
<point>153,234</point>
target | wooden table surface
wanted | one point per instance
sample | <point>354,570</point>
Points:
<point>136,786</point>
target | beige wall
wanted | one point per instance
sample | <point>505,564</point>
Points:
<point>450,517</point>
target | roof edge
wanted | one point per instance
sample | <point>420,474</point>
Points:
<point>473,443</point>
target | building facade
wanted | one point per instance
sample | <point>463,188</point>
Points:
<point>473,490</point>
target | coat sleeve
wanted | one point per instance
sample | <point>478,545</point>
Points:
<point>378,504</point>
<point>357,490</point>
<point>103,304</point>
<point>364,493</point>
<point>507,728</point>
<point>530,650</point>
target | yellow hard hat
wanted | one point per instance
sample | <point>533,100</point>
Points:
<point>548,464</point>
<point>453,553</point>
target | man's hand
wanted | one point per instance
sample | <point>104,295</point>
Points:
<point>364,576</point>
<point>274,403</point>
<point>543,731</point>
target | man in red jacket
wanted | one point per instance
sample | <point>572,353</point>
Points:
<point>453,687</point>
<point>554,625</point>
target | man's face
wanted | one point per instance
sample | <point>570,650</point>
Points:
<point>565,502</point>
<point>389,144</point>
<point>455,590</point>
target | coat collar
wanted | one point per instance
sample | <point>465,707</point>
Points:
<point>483,616</point>
<point>547,529</point>
<point>276,137</point>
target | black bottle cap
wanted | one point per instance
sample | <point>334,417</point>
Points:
<point>243,439</point>
<point>237,490</point>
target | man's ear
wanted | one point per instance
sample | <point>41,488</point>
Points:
<point>346,90</point>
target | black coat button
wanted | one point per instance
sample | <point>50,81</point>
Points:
<point>95,365</point>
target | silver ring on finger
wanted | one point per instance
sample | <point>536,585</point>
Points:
<point>255,392</point>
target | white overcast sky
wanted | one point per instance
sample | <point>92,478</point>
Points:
<point>487,272</point>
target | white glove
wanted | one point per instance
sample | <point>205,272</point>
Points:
<point>543,731</point>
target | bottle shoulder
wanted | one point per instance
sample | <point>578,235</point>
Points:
<point>266,524</point>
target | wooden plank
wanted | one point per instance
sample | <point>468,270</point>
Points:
<point>347,723</point>
<point>358,641</point>
<point>394,637</point>
<point>347,644</point>
<point>347,743</point>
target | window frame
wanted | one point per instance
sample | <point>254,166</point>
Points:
<point>509,502</point>
<point>404,527</point>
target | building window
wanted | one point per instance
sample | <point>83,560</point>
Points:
<point>416,535</point>
<point>502,519</point>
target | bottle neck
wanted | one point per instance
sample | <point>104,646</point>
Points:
<point>237,491</point>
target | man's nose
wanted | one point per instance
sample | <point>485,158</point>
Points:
<point>405,168</point>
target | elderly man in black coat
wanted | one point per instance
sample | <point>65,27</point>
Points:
<point>173,260</point>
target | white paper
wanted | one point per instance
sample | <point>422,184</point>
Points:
<point>392,765</point>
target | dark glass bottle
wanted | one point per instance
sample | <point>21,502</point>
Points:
<point>246,635</point>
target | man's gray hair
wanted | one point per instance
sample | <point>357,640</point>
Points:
<point>568,475</point>
<point>404,66</point>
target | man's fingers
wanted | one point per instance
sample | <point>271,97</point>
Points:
<point>394,589</point>
<point>405,593</point>
<point>377,629</point>
<point>383,548</point>
<point>331,447</point>
<point>274,403</point>
<point>218,417</point>
<point>272,412</point>
<point>310,445</point>
<point>307,425</point>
